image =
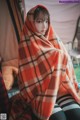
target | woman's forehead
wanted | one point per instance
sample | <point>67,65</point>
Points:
<point>41,15</point>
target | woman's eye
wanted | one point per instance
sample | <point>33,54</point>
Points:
<point>39,21</point>
<point>46,21</point>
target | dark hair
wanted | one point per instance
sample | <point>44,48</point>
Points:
<point>43,10</point>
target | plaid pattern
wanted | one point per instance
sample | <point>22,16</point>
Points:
<point>43,66</point>
<point>4,101</point>
<point>19,109</point>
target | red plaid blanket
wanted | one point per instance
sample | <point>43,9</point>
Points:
<point>19,109</point>
<point>44,65</point>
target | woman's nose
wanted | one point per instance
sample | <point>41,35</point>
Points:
<point>44,24</point>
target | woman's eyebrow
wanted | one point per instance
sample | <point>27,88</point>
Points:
<point>42,19</point>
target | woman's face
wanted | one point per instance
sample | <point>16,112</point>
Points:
<point>41,23</point>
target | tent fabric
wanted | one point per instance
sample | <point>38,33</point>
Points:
<point>64,16</point>
<point>11,23</point>
<point>8,39</point>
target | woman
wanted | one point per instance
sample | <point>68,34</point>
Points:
<point>46,75</point>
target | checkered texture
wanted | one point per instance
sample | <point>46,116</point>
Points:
<point>19,109</point>
<point>44,65</point>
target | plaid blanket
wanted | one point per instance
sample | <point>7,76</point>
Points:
<point>19,109</point>
<point>44,65</point>
<point>4,101</point>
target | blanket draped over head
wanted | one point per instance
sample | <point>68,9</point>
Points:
<point>44,65</point>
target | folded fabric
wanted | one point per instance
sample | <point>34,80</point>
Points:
<point>7,72</point>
